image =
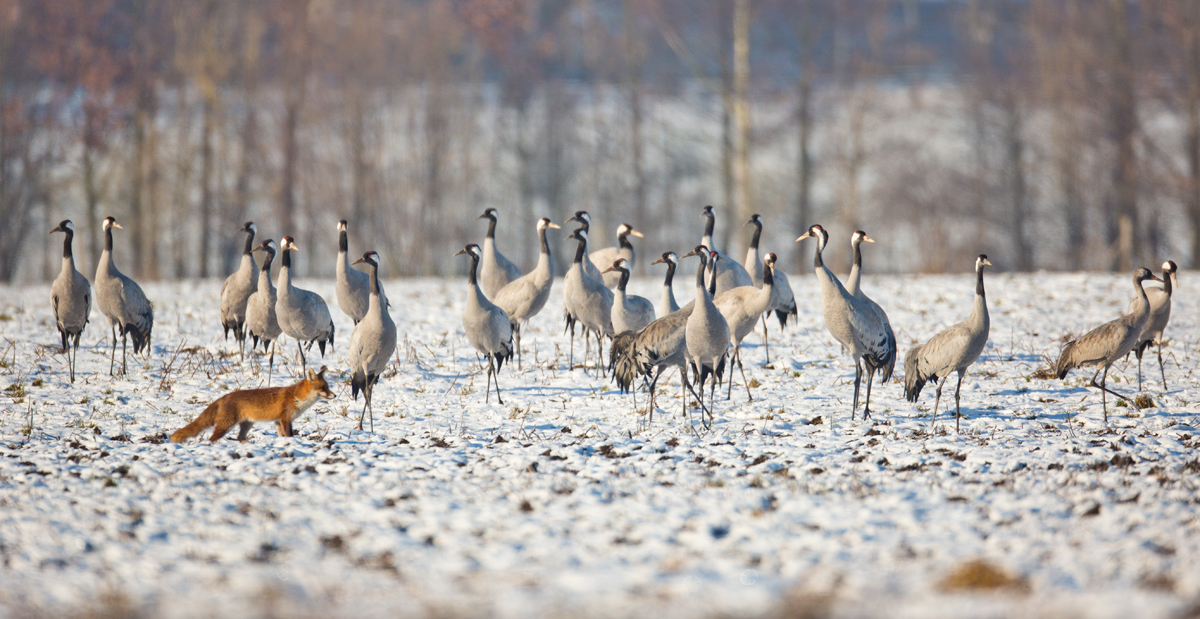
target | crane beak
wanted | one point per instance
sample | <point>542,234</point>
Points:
<point>461,252</point>
<point>659,261</point>
<point>608,270</point>
<point>868,239</point>
<point>117,225</point>
<point>58,229</point>
<point>1155,278</point>
<point>806,235</point>
<point>633,232</point>
<point>292,246</point>
<point>359,261</point>
<point>690,254</point>
<point>554,225</point>
<point>986,262</point>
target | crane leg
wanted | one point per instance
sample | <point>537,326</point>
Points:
<point>303,362</point>
<point>271,365</point>
<point>112,359</point>
<point>518,336</point>
<point>738,354</point>
<point>1138,353</point>
<point>766,339</point>
<point>487,389</point>
<point>496,379</point>
<point>124,346</point>
<point>867,405</point>
<point>1104,390</point>
<point>1161,368</point>
<point>857,381</point>
<point>957,405</point>
<point>937,400</point>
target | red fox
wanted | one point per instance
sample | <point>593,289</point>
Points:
<point>278,404</point>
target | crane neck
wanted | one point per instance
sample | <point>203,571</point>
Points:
<point>248,249</point>
<point>491,233</point>
<point>670,274</point>
<point>580,251</point>
<point>768,276</point>
<point>817,261</point>
<point>624,279</point>
<point>754,238</point>
<point>979,282</point>
<point>623,241</point>
<point>709,224</point>
<point>857,254</point>
<point>471,279</point>
<point>374,278</point>
<point>343,242</point>
<point>67,245</point>
<point>700,276</point>
<point>542,240</point>
<point>108,239</point>
<point>266,265</point>
<point>1167,288</point>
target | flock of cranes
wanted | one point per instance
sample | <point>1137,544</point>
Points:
<point>702,339</point>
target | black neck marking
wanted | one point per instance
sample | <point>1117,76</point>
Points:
<point>623,240</point>
<point>67,243</point>
<point>858,255</point>
<point>768,277</point>
<point>624,279</point>
<point>249,243</point>
<point>757,234</point>
<point>374,278</point>
<point>580,251</point>
<point>1166,280</point>
<point>491,227</point>
<point>542,240</point>
<point>979,281</point>
<point>700,272</point>
<point>471,281</point>
<point>817,262</point>
<point>286,261</point>
<point>670,273</point>
<point>266,265</point>
<point>709,222</point>
<point>343,244</point>
<point>108,239</point>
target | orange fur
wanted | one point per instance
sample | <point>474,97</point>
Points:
<point>278,404</point>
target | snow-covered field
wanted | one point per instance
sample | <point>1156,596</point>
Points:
<point>564,502</point>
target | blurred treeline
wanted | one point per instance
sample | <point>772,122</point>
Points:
<point>1059,134</point>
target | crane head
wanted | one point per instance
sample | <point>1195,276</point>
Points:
<point>111,222</point>
<point>64,226</point>
<point>267,246</point>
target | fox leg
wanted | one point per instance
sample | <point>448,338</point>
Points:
<point>244,430</point>
<point>223,427</point>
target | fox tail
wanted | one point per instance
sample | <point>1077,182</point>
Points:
<point>206,419</point>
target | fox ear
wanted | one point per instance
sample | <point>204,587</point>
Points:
<point>311,374</point>
<point>321,373</point>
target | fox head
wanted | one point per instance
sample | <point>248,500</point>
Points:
<point>317,379</point>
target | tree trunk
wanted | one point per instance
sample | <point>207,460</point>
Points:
<point>1018,187</point>
<point>206,192</point>
<point>743,204</point>
<point>1124,126</point>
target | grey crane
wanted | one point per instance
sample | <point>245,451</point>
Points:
<point>742,307</point>
<point>952,350</point>
<point>524,297</point>
<point>730,274</point>
<point>854,287</point>
<point>71,297</point>
<point>353,286</point>
<point>261,323</point>
<point>122,301</point>
<point>586,300</point>
<point>707,332</point>
<point>302,314</point>
<point>659,345</point>
<point>783,301</point>
<point>371,343</point>
<point>1160,314</point>
<point>495,271</point>
<point>629,311</point>
<point>488,328</point>
<point>237,290</point>
<point>666,303</point>
<point>1110,341</point>
<point>851,322</point>
<point>609,255</point>
<point>585,222</point>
